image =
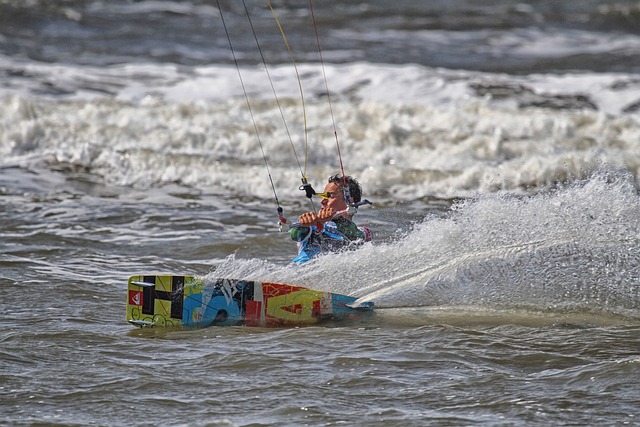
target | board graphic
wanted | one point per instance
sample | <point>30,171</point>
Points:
<point>172,301</point>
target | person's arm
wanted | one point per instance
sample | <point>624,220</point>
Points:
<point>303,229</point>
<point>349,229</point>
<point>300,233</point>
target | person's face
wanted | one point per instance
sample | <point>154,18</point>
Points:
<point>336,201</point>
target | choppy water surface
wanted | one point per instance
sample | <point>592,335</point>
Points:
<point>498,142</point>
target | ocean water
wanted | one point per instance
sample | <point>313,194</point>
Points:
<point>499,142</point>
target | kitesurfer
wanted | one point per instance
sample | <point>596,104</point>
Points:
<point>332,228</point>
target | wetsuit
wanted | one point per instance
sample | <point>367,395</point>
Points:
<point>335,235</point>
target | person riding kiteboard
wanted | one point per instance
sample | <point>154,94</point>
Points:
<point>332,228</point>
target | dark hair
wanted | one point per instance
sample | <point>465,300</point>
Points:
<point>355,190</point>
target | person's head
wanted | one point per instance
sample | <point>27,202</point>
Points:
<point>355,190</point>
<point>334,189</point>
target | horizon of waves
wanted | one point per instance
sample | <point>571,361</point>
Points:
<point>400,152</point>
<point>572,250</point>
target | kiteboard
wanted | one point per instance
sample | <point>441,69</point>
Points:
<point>191,301</point>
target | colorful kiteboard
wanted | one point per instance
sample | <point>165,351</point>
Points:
<point>191,301</point>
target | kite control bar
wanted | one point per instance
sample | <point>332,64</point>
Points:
<point>351,210</point>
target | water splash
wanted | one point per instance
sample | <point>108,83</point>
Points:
<point>573,249</point>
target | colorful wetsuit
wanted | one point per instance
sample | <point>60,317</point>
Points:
<point>335,235</point>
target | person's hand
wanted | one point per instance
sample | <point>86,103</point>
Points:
<point>325,215</point>
<point>310,218</point>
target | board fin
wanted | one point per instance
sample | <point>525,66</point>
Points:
<point>142,323</point>
<point>365,305</point>
<point>143,284</point>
